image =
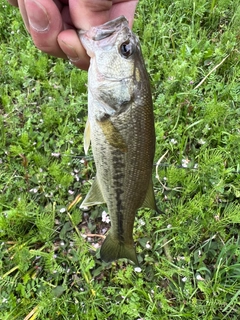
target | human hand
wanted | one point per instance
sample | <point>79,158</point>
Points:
<point>52,24</point>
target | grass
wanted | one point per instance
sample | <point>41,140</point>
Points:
<point>190,256</point>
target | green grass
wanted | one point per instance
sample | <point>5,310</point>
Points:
<point>190,255</point>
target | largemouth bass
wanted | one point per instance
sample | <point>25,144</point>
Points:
<point>121,130</point>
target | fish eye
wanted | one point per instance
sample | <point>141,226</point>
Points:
<point>126,49</point>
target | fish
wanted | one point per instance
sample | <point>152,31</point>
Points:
<point>120,129</point>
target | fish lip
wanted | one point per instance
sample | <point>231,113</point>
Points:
<point>104,30</point>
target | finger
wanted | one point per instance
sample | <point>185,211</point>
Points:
<point>88,13</point>
<point>44,23</point>
<point>124,8</point>
<point>13,2</point>
<point>69,42</point>
<point>21,5</point>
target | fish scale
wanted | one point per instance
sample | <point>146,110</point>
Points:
<point>121,130</point>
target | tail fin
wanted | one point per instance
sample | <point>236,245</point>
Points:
<point>112,250</point>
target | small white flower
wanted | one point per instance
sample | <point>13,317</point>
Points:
<point>173,141</point>
<point>96,245</point>
<point>55,154</point>
<point>141,222</point>
<point>201,141</point>
<point>62,210</point>
<point>148,246</point>
<point>70,192</point>
<point>199,277</point>
<point>138,269</point>
<point>105,217</point>
<point>180,258</point>
<point>34,190</point>
<point>184,279</point>
<point>185,163</point>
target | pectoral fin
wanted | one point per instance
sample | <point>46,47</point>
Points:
<point>94,196</point>
<point>87,138</point>
<point>112,135</point>
<point>150,201</point>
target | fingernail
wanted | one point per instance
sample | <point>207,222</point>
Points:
<point>37,15</point>
<point>73,59</point>
<point>70,52</point>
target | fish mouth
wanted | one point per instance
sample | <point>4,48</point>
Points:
<point>105,30</point>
